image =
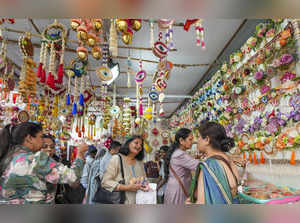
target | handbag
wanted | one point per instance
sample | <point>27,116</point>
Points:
<point>104,196</point>
<point>180,182</point>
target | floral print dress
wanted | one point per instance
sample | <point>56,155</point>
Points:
<point>31,178</point>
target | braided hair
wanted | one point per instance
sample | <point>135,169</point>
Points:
<point>182,133</point>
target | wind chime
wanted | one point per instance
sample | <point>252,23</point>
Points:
<point>54,38</point>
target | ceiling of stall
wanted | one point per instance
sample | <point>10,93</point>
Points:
<point>218,33</point>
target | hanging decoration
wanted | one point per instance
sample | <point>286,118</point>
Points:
<point>139,78</point>
<point>113,39</point>
<point>27,83</point>
<point>129,70</point>
<point>127,116</point>
<point>199,30</point>
<point>151,23</point>
<point>88,33</point>
<point>167,24</point>
<point>53,42</point>
<point>126,28</point>
<point>92,126</point>
<point>160,49</point>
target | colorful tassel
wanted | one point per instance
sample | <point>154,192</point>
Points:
<point>141,109</point>
<point>262,159</point>
<point>255,159</point>
<point>244,156</point>
<point>68,99</point>
<point>81,100</point>
<point>74,111</point>
<point>43,77</point>
<point>60,74</point>
<point>39,70</point>
<point>250,158</point>
<point>293,161</point>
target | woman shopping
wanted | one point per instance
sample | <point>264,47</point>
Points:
<point>178,166</point>
<point>217,177</point>
<point>25,170</point>
<point>131,156</point>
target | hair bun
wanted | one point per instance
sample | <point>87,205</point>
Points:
<point>227,144</point>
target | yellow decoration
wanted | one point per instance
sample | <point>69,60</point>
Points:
<point>127,38</point>
<point>122,25</point>
<point>148,149</point>
<point>148,113</point>
<point>137,25</point>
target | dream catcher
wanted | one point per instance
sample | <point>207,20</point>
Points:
<point>126,28</point>
<point>27,84</point>
<point>54,39</point>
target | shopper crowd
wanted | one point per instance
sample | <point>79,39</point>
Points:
<point>32,172</point>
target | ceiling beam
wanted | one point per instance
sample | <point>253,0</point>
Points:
<point>204,76</point>
<point>34,26</point>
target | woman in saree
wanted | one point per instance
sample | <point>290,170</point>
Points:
<point>216,179</point>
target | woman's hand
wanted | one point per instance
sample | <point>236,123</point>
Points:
<point>134,187</point>
<point>188,201</point>
<point>81,150</point>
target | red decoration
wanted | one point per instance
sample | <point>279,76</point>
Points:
<point>43,77</point>
<point>108,142</point>
<point>155,132</point>
<point>40,70</point>
<point>165,142</point>
<point>188,23</point>
<point>60,74</point>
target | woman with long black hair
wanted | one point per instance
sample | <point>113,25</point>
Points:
<point>178,166</point>
<point>25,170</point>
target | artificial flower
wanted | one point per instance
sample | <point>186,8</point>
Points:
<point>264,89</point>
<point>259,75</point>
<point>224,67</point>
<point>287,76</point>
<point>228,109</point>
<point>238,90</point>
<point>251,42</point>
<point>264,99</point>
<point>270,33</point>
<point>286,59</point>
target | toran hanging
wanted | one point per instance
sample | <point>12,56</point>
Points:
<point>54,38</point>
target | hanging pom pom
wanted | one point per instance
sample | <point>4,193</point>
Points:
<point>74,111</point>
<point>293,161</point>
<point>39,70</point>
<point>262,159</point>
<point>81,100</point>
<point>68,99</point>
<point>255,159</point>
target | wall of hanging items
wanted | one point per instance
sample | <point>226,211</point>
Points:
<point>256,97</point>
